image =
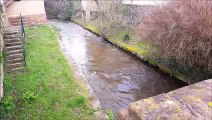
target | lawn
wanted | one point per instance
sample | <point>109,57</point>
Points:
<point>47,89</point>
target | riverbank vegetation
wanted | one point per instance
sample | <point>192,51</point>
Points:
<point>176,35</point>
<point>182,31</point>
<point>47,88</point>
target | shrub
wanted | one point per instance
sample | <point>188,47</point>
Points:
<point>182,30</point>
<point>59,9</point>
<point>113,16</point>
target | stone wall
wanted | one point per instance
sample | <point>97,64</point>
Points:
<point>2,16</point>
<point>27,20</point>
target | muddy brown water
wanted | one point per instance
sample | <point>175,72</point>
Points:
<point>116,77</point>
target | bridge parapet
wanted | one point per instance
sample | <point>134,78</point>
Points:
<point>190,102</point>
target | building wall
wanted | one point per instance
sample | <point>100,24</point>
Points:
<point>33,12</point>
<point>88,6</point>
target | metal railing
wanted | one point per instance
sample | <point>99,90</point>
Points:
<point>23,38</point>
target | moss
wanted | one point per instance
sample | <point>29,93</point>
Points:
<point>121,34</point>
<point>154,106</point>
<point>88,25</point>
<point>164,68</point>
<point>210,104</point>
<point>152,62</point>
<point>92,28</point>
<point>179,76</point>
<point>192,98</point>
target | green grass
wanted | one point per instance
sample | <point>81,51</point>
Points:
<point>88,25</point>
<point>47,90</point>
<point>76,102</point>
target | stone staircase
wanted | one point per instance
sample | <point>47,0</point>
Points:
<point>14,49</point>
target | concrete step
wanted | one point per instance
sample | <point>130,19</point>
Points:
<point>13,43</point>
<point>15,60</point>
<point>12,40</point>
<point>18,32</point>
<point>12,36</point>
<point>20,69</point>
<point>9,48</point>
<point>12,52</point>
<point>6,35</point>
<point>15,65</point>
<point>15,56</point>
<point>12,29</point>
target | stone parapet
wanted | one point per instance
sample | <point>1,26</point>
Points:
<point>190,102</point>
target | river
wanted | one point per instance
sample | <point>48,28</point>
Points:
<point>116,77</point>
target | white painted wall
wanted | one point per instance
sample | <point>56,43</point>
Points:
<point>26,7</point>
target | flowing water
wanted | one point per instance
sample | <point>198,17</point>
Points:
<point>116,77</point>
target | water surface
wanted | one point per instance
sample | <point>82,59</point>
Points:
<point>116,77</point>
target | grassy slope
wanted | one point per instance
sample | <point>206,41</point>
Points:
<point>49,79</point>
<point>134,45</point>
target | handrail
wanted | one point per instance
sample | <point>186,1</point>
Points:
<point>23,38</point>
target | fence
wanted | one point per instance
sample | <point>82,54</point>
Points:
<point>23,38</point>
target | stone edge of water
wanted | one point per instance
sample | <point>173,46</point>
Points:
<point>161,67</point>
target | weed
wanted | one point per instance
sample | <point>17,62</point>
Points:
<point>110,114</point>
<point>7,105</point>
<point>126,37</point>
<point>29,97</point>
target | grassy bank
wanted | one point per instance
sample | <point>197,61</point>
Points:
<point>47,90</point>
<point>144,51</point>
